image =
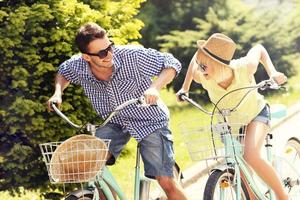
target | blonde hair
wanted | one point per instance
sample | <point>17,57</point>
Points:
<point>220,72</point>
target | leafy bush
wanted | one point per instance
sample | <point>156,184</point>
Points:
<point>36,36</point>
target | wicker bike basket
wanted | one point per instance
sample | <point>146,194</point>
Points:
<point>78,159</point>
<point>208,142</point>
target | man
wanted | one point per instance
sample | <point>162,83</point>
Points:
<point>111,75</point>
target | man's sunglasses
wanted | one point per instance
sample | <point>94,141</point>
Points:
<point>103,53</point>
<point>201,66</point>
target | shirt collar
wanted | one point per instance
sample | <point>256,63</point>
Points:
<point>116,63</point>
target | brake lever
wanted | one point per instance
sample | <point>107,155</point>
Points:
<point>274,85</point>
<point>263,85</point>
<point>271,84</point>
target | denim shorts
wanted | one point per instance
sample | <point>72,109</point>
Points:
<point>264,116</point>
<point>156,149</point>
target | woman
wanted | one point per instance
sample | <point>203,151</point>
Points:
<point>213,67</point>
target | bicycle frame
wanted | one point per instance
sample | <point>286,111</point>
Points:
<point>241,166</point>
<point>235,160</point>
<point>105,180</point>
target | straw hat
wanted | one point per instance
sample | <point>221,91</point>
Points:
<point>78,159</point>
<point>219,48</point>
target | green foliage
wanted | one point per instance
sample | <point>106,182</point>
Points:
<point>36,36</point>
<point>162,16</point>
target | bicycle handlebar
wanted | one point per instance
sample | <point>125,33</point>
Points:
<point>53,105</point>
<point>140,100</point>
<point>186,98</point>
<point>270,83</point>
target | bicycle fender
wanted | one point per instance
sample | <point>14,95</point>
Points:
<point>220,168</point>
<point>80,193</point>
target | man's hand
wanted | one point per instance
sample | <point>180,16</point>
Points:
<point>151,96</point>
<point>152,93</point>
<point>55,98</point>
<point>60,84</point>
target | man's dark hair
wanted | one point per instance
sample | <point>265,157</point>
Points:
<point>86,34</point>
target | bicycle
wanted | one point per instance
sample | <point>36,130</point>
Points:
<point>82,158</point>
<point>222,143</point>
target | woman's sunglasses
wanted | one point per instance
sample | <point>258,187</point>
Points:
<point>201,66</point>
<point>103,53</point>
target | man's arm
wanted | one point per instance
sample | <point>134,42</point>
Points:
<point>165,77</point>
<point>61,83</point>
<point>153,63</point>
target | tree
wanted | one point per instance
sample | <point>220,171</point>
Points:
<point>160,17</point>
<point>36,36</point>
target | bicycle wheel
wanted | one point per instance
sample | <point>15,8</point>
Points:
<point>79,195</point>
<point>292,150</point>
<point>289,172</point>
<point>220,185</point>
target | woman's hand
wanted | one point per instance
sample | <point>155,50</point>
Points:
<point>279,77</point>
<point>180,92</point>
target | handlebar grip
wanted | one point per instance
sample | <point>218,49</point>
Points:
<point>269,84</point>
<point>53,104</point>
<point>142,102</point>
<point>182,96</point>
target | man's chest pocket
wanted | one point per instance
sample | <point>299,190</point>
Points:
<point>127,86</point>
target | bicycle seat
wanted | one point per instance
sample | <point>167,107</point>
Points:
<point>278,111</point>
<point>78,159</point>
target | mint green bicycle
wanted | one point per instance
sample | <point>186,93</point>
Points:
<point>222,144</point>
<point>82,158</point>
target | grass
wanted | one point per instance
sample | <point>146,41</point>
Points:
<point>181,113</point>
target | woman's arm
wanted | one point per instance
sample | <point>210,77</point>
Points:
<point>258,54</point>
<point>189,77</point>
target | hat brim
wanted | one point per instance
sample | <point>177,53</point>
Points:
<point>202,53</point>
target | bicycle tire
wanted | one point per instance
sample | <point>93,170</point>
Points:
<point>292,154</point>
<point>224,177</point>
<point>294,143</point>
<point>83,197</point>
<point>87,196</point>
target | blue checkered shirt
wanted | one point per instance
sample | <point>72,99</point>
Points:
<point>134,68</point>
